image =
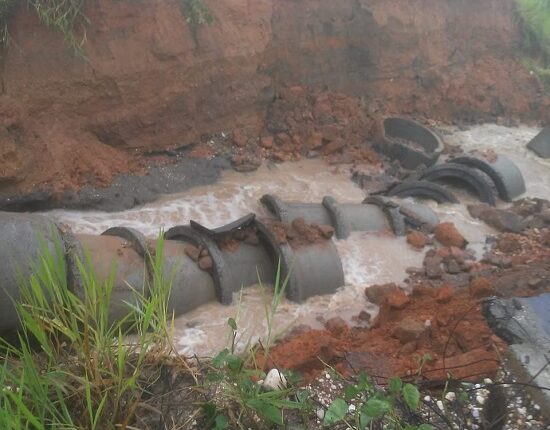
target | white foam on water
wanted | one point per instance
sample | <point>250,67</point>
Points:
<point>367,258</point>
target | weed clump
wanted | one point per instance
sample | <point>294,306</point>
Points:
<point>73,366</point>
<point>535,16</point>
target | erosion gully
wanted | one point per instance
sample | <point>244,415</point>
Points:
<point>367,258</point>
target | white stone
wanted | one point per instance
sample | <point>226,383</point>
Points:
<point>274,381</point>
<point>427,399</point>
<point>487,381</point>
<point>351,408</point>
<point>440,405</point>
<point>450,396</point>
<point>320,413</point>
<point>480,399</point>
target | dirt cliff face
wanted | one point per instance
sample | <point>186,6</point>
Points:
<point>149,82</point>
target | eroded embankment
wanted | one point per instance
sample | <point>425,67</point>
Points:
<point>278,79</point>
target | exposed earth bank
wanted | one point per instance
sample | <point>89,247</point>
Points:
<point>269,79</point>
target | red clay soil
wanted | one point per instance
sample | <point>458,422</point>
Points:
<point>436,320</point>
<point>299,233</point>
<point>278,79</point>
<point>449,327</point>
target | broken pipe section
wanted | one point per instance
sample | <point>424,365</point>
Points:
<point>310,268</point>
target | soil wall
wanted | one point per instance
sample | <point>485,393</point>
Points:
<point>150,81</point>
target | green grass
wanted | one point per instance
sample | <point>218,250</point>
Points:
<point>74,367</point>
<point>535,16</point>
<point>68,18</point>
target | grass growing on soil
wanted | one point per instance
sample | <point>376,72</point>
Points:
<point>68,18</point>
<point>535,15</point>
<point>73,367</point>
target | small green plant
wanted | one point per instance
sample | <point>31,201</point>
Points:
<point>421,361</point>
<point>74,365</point>
<point>535,19</point>
<point>374,405</point>
<point>65,16</point>
<point>243,400</point>
<point>196,12</point>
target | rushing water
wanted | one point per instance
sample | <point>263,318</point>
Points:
<point>366,258</point>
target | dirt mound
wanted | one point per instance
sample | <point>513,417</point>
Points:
<point>430,336</point>
<point>299,233</point>
<point>279,79</point>
<point>438,329</point>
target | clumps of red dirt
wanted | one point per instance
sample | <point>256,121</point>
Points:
<point>438,329</point>
<point>305,122</point>
<point>430,334</point>
<point>299,233</point>
<point>447,234</point>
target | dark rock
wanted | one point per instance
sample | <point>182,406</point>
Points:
<point>432,266</point>
<point>453,266</point>
<point>458,281</point>
<point>500,219</point>
<point>501,261</point>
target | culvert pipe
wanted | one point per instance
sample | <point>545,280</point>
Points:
<point>23,237</point>
<point>423,190</point>
<point>467,176</point>
<point>408,142</point>
<point>310,269</point>
<point>232,268</point>
<point>286,212</point>
<point>344,218</point>
<point>503,172</point>
<point>121,254</point>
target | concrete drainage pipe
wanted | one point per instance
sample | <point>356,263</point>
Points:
<point>408,141</point>
<point>22,237</point>
<point>471,178</point>
<point>345,218</point>
<point>503,172</point>
<point>122,254</point>
<point>423,190</point>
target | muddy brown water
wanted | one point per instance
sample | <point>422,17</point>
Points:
<point>367,258</point>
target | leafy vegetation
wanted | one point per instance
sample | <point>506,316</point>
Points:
<point>535,15</point>
<point>73,367</point>
<point>67,17</point>
<point>383,408</point>
<point>196,12</point>
<point>236,377</point>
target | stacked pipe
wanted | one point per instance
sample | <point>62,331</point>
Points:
<point>418,147</point>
